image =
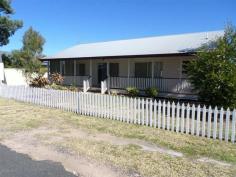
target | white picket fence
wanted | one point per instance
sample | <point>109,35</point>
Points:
<point>185,118</point>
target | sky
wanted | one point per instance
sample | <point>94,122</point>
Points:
<point>64,23</point>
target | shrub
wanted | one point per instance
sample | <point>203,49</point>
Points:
<point>57,78</point>
<point>72,88</point>
<point>39,81</point>
<point>57,87</point>
<point>152,92</point>
<point>213,73</point>
<point>114,93</point>
<point>132,91</point>
<point>62,87</point>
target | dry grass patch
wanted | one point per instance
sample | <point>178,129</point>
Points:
<point>132,158</point>
<point>190,145</point>
<point>17,117</point>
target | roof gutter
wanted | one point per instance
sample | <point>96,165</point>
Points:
<point>123,56</point>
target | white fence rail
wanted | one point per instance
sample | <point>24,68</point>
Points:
<point>167,85</point>
<point>190,119</point>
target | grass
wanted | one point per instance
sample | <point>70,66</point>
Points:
<point>17,117</point>
<point>190,145</point>
<point>132,158</point>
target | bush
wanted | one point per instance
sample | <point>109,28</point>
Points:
<point>39,81</point>
<point>56,78</point>
<point>61,87</point>
<point>132,91</point>
<point>213,73</point>
<point>114,93</point>
<point>56,87</point>
<point>152,92</point>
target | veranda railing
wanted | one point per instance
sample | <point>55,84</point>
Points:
<point>166,85</point>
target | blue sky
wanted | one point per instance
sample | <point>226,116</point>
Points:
<point>65,23</point>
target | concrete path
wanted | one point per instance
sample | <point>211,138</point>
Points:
<point>13,164</point>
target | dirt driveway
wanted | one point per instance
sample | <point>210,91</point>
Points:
<point>94,147</point>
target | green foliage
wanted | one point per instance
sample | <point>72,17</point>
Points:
<point>5,7</point>
<point>6,60</point>
<point>27,57</point>
<point>152,92</point>
<point>213,73</point>
<point>33,42</point>
<point>132,91</point>
<point>43,70</point>
<point>39,81</point>
<point>33,66</point>
<point>7,26</point>
<point>61,87</point>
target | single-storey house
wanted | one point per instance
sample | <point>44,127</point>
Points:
<point>146,62</point>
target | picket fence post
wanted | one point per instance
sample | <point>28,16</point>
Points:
<point>182,118</point>
<point>233,126</point>
<point>209,122</point>
<point>204,121</point>
<point>198,120</point>
<point>227,125</point>
<point>187,119</point>
<point>173,117</point>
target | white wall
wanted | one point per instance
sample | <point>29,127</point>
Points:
<point>14,77</point>
<point>1,70</point>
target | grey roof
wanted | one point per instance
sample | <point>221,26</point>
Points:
<point>172,44</point>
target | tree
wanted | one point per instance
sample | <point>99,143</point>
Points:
<point>33,42</point>
<point>32,49</point>
<point>213,73</point>
<point>28,56</point>
<point>7,26</point>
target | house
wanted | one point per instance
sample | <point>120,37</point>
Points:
<point>146,62</point>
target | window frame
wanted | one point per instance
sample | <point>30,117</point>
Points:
<point>69,63</point>
<point>148,70</point>
<point>78,69</point>
<point>116,70</point>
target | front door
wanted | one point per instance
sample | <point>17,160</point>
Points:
<point>102,72</point>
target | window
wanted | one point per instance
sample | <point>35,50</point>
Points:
<point>158,68</point>
<point>114,69</point>
<point>184,67</point>
<point>80,69</point>
<point>69,68</point>
<point>143,69</point>
<point>54,66</point>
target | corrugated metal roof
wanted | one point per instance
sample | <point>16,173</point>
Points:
<point>172,44</point>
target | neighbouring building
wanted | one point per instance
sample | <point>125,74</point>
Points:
<point>146,62</point>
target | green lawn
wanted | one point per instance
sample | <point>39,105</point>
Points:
<point>16,117</point>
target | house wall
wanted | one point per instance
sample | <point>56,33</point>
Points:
<point>172,66</point>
